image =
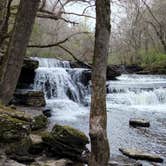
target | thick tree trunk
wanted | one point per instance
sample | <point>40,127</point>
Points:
<point>98,117</point>
<point>13,60</point>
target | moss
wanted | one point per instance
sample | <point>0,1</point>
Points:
<point>39,122</point>
<point>67,131</point>
<point>19,148</point>
<point>14,125</point>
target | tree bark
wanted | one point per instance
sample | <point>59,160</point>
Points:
<point>98,116</point>
<point>13,60</point>
<point>4,17</point>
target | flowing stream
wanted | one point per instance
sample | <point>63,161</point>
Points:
<point>131,96</point>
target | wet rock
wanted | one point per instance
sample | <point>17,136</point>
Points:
<point>29,98</point>
<point>14,125</point>
<point>39,122</point>
<point>27,73</point>
<point>112,72</point>
<point>139,123</point>
<point>86,77</point>
<point>70,94</point>
<point>47,112</point>
<point>121,160</point>
<point>115,163</point>
<point>140,155</point>
<point>65,141</point>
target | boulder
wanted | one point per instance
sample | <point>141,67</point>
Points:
<point>27,73</point>
<point>65,141</point>
<point>29,98</point>
<point>139,123</point>
<point>14,125</point>
<point>140,155</point>
<point>112,72</point>
<point>86,77</point>
<point>47,112</point>
<point>39,122</point>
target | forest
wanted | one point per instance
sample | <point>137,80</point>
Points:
<point>82,82</point>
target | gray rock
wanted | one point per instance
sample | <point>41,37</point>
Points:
<point>29,98</point>
<point>140,155</point>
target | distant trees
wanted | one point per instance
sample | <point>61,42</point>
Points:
<point>13,59</point>
<point>98,115</point>
<point>140,31</point>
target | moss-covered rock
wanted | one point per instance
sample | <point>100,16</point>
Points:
<point>69,134</point>
<point>14,125</point>
<point>20,148</point>
<point>39,122</point>
<point>65,141</point>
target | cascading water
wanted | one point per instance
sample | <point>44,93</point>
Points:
<point>59,81</point>
<point>62,86</point>
<point>131,96</point>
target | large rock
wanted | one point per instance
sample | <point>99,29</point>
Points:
<point>140,155</point>
<point>14,125</point>
<point>65,141</point>
<point>29,98</point>
<point>27,73</point>
<point>112,72</point>
<point>139,123</point>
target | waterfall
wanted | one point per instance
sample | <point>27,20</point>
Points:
<point>130,96</point>
<point>137,90</point>
<point>59,81</point>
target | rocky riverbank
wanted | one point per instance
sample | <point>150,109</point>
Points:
<point>24,140</point>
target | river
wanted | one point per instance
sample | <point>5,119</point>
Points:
<point>130,96</point>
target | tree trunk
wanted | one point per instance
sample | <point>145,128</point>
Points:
<point>98,116</point>
<point>4,4</point>
<point>13,60</point>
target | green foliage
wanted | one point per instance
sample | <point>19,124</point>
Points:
<point>152,58</point>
